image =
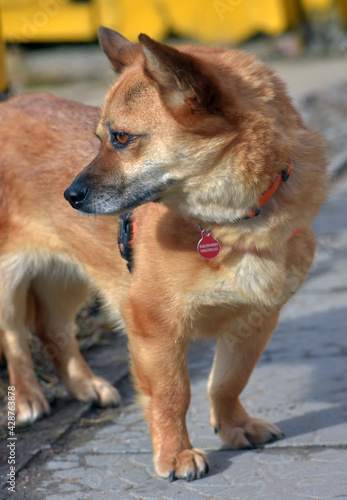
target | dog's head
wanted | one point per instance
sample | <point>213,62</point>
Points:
<point>194,127</point>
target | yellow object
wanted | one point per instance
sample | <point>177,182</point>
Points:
<point>343,10</point>
<point>3,78</point>
<point>70,21</point>
<point>132,17</point>
<point>230,20</point>
<point>317,5</point>
<point>211,21</point>
<point>48,20</point>
<point>325,6</point>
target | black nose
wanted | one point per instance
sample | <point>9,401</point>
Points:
<point>75,195</point>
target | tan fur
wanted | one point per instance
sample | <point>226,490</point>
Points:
<point>209,131</point>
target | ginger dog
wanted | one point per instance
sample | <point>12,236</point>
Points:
<point>210,135</point>
<point>212,138</point>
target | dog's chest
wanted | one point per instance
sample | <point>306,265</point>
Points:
<point>211,292</point>
<point>247,281</point>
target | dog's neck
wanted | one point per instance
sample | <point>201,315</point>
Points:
<point>217,211</point>
<point>282,177</point>
<point>241,229</point>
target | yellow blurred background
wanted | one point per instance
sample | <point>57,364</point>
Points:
<point>221,22</point>
<point>211,21</point>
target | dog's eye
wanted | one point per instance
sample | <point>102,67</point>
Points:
<point>120,139</point>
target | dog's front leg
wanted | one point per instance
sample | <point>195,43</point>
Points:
<point>236,355</point>
<point>159,365</point>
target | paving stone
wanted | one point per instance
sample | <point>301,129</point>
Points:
<point>68,487</point>
<point>71,496</point>
<point>60,464</point>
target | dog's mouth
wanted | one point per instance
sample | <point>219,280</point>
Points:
<point>110,203</point>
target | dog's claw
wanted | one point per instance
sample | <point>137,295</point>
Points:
<point>276,437</point>
<point>273,437</point>
<point>189,477</point>
<point>249,446</point>
<point>216,430</point>
<point>188,464</point>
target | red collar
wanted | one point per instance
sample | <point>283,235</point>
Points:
<point>282,177</point>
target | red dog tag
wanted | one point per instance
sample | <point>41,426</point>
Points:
<point>208,246</point>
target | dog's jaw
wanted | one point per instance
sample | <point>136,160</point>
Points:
<point>114,200</point>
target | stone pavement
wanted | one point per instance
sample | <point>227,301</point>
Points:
<point>300,384</point>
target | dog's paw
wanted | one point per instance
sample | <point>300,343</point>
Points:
<point>94,389</point>
<point>31,406</point>
<point>188,465</point>
<point>250,434</point>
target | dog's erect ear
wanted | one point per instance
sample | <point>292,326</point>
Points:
<point>119,50</point>
<point>179,76</point>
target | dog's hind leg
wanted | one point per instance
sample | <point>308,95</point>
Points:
<point>59,299</point>
<point>236,355</point>
<point>31,403</point>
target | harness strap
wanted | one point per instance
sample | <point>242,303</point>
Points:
<point>126,237</point>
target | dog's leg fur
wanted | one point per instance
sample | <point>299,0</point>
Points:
<point>45,297</point>
<point>174,456</point>
<point>31,403</point>
<point>234,362</point>
<point>59,301</point>
<point>238,351</point>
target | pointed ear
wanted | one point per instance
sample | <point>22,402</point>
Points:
<point>119,50</point>
<point>179,75</point>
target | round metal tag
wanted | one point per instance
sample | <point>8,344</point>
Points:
<point>208,246</point>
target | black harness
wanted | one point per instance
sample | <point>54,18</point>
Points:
<point>126,238</point>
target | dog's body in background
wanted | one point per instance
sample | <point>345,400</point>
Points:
<point>49,254</point>
<point>205,133</point>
